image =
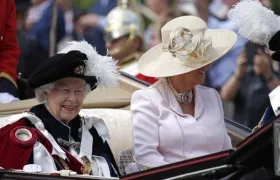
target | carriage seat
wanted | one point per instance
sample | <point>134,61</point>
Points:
<point>119,125</point>
<point>118,122</point>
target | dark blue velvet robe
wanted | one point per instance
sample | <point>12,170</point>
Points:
<point>58,130</point>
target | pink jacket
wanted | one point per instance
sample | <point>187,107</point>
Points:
<point>162,134</point>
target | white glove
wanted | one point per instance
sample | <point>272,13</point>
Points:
<point>7,98</point>
<point>32,168</point>
<point>131,168</point>
<point>67,172</point>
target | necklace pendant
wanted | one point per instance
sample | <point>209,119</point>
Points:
<point>187,97</point>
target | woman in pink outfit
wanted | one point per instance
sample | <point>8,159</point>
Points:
<point>176,118</point>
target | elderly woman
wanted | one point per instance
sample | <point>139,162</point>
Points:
<point>58,135</point>
<point>176,118</point>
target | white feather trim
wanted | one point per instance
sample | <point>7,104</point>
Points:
<point>255,22</point>
<point>104,68</point>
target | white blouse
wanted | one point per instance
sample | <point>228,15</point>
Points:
<point>162,134</point>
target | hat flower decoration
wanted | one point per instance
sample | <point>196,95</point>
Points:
<point>187,44</point>
<point>189,48</point>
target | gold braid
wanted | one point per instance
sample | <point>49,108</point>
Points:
<point>86,168</point>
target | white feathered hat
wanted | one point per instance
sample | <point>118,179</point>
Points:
<point>258,24</point>
<point>78,59</point>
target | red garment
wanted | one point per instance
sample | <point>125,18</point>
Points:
<point>9,50</point>
<point>148,79</point>
<point>14,153</point>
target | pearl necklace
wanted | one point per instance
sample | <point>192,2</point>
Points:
<point>186,97</point>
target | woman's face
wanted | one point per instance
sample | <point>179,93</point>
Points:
<point>65,100</point>
<point>195,77</point>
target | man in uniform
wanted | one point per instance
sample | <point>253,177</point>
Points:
<point>123,37</point>
<point>9,52</point>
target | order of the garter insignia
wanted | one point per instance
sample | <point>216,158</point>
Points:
<point>79,70</point>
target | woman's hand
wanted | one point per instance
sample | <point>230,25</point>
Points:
<point>241,65</point>
<point>32,168</point>
<point>232,86</point>
<point>262,64</point>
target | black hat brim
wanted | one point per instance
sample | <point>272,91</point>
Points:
<point>274,42</point>
<point>61,66</point>
<point>274,45</point>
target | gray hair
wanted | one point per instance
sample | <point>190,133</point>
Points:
<point>40,92</point>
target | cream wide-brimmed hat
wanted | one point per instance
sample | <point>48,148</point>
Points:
<point>186,45</point>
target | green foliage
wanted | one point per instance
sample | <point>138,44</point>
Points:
<point>276,6</point>
<point>83,4</point>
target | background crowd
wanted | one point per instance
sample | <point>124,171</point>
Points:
<point>244,76</point>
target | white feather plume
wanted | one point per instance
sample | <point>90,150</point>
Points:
<point>255,22</point>
<point>104,68</point>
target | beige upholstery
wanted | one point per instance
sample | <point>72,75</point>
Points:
<point>117,121</point>
<point>235,138</point>
<point>116,98</point>
<point>119,125</point>
<point>113,98</point>
<point>21,106</point>
<point>115,104</point>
